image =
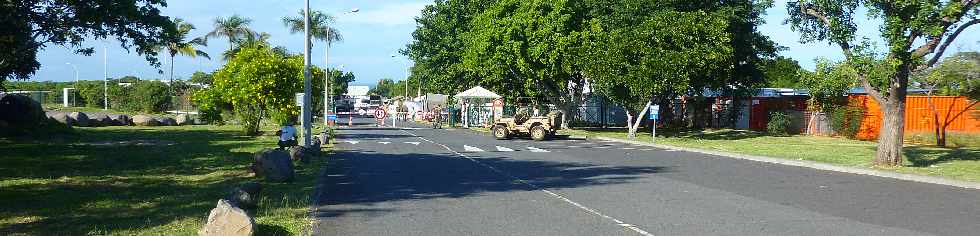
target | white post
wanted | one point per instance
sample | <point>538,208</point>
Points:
<point>64,96</point>
<point>105,77</point>
<point>307,115</point>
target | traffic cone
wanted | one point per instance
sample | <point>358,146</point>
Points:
<point>350,120</point>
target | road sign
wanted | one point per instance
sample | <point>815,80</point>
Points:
<point>332,117</point>
<point>654,112</point>
<point>380,113</point>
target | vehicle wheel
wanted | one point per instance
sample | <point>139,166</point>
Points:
<point>500,132</point>
<point>538,133</point>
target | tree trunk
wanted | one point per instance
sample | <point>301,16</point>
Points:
<point>634,125</point>
<point>892,134</point>
<point>937,126</point>
<point>631,132</point>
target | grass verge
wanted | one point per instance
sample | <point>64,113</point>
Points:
<point>961,163</point>
<point>75,184</point>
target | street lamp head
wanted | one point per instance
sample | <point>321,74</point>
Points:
<point>355,10</point>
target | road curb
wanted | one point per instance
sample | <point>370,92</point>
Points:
<point>812,165</point>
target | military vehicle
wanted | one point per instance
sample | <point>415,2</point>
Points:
<point>538,127</point>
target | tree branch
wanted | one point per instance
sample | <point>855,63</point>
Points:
<point>844,46</point>
<point>942,49</point>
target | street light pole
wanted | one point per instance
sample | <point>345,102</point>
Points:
<point>327,82</point>
<point>105,77</point>
<point>74,102</point>
<point>307,115</point>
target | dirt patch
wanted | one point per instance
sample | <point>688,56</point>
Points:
<point>129,143</point>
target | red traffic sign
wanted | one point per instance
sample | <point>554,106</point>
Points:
<point>380,113</point>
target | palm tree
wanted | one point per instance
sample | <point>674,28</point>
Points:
<point>252,40</point>
<point>319,29</point>
<point>234,28</point>
<point>175,43</point>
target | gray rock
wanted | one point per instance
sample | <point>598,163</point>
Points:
<point>246,196</point>
<point>79,119</point>
<point>121,120</point>
<point>101,120</point>
<point>299,153</point>
<point>167,121</point>
<point>275,165</point>
<point>144,120</point>
<point>226,219</point>
<point>315,147</point>
<point>184,119</point>
<point>60,117</point>
<point>21,111</point>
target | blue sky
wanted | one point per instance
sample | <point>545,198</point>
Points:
<point>371,36</point>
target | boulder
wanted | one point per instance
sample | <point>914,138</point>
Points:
<point>101,120</point>
<point>226,219</point>
<point>144,120</point>
<point>275,165</point>
<point>20,111</point>
<point>246,196</point>
<point>299,153</point>
<point>184,119</point>
<point>167,121</point>
<point>315,148</point>
<point>79,119</point>
<point>60,117</point>
<point>120,120</point>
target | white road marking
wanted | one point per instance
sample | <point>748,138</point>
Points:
<point>549,192</point>
<point>534,149</point>
<point>646,150</point>
<point>414,143</point>
<point>384,142</point>
<point>504,149</point>
<point>471,148</point>
<point>574,146</point>
<point>628,148</point>
<point>602,147</point>
<point>351,141</point>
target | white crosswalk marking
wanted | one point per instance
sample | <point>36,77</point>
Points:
<point>534,149</point>
<point>384,142</point>
<point>628,148</point>
<point>351,141</point>
<point>413,143</point>
<point>471,148</point>
<point>504,149</point>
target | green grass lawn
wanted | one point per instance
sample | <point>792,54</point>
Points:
<point>64,186</point>
<point>961,163</point>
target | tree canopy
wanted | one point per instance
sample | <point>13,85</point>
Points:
<point>28,26</point>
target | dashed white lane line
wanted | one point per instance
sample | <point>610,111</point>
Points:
<point>534,149</point>
<point>504,149</point>
<point>413,143</point>
<point>549,192</point>
<point>384,142</point>
<point>471,148</point>
<point>628,148</point>
<point>602,147</point>
<point>351,141</point>
<point>574,146</point>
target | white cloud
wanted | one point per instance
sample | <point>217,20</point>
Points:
<point>394,14</point>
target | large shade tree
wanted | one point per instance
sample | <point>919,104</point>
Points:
<point>657,59</point>
<point>437,45</point>
<point>957,75</point>
<point>28,26</point>
<point>916,34</point>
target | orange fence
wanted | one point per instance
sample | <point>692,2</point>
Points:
<point>953,111</point>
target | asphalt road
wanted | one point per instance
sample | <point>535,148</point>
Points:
<point>385,181</point>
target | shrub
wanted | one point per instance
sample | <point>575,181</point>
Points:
<point>249,116</point>
<point>209,106</point>
<point>151,96</point>
<point>279,117</point>
<point>846,120</point>
<point>91,93</point>
<point>779,123</point>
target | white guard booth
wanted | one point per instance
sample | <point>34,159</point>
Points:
<point>476,106</point>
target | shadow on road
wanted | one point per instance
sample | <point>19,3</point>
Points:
<point>357,181</point>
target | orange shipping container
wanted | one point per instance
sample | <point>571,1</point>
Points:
<point>919,116</point>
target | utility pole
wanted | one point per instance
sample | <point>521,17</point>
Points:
<point>105,76</point>
<point>307,115</point>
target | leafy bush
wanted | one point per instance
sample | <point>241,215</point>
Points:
<point>209,105</point>
<point>151,96</point>
<point>91,93</point>
<point>846,120</point>
<point>249,116</point>
<point>779,123</point>
<point>279,117</point>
